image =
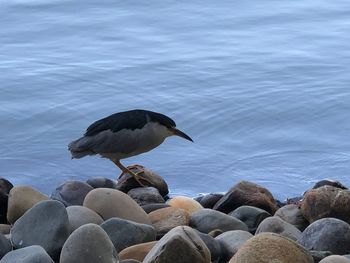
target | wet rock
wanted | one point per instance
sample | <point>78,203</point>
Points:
<point>319,255</point>
<point>71,192</point>
<point>152,207</point>
<point>166,219</point>
<point>335,259</point>
<point>247,193</point>
<point>209,200</point>
<point>137,252</point>
<point>181,238</point>
<point>206,220</point>
<point>102,182</point>
<point>45,224</point>
<point>110,203</point>
<point>22,198</point>
<point>330,183</point>
<point>5,246</point>
<point>124,233</point>
<point>231,241</point>
<point>326,201</point>
<point>270,247</point>
<point>277,225</point>
<point>291,213</point>
<point>213,245</point>
<point>128,182</point>
<point>146,195</point>
<point>186,203</point>
<point>88,244</point>
<point>327,234</point>
<point>80,215</point>
<point>31,254</point>
<point>5,229</point>
<point>250,215</point>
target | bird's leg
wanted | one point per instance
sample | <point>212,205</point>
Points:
<point>127,170</point>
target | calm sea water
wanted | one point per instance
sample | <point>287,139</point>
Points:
<point>263,88</point>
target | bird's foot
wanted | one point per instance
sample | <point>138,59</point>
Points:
<point>137,174</point>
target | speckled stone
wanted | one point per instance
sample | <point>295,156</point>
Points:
<point>186,203</point>
<point>137,252</point>
<point>146,195</point>
<point>291,213</point>
<point>335,259</point>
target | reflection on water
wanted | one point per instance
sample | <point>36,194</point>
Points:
<point>263,90</point>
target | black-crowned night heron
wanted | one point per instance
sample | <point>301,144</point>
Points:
<point>125,134</point>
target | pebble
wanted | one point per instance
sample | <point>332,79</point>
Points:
<point>166,219</point>
<point>186,203</point>
<point>231,241</point>
<point>146,195</point>
<point>335,259</point>
<point>250,215</point>
<point>124,233</point>
<point>81,215</point>
<point>247,193</point>
<point>327,234</point>
<point>88,244</point>
<point>326,201</point>
<point>71,192</point>
<point>22,198</point>
<point>181,244</point>
<point>110,203</point>
<point>45,224</point>
<point>291,213</point>
<point>276,225</point>
<point>153,207</point>
<point>137,252</point>
<point>101,182</point>
<point>5,246</point>
<point>206,220</point>
<point>271,247</point>
<point>30,254</point>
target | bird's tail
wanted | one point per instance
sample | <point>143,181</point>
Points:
<point>79,149</point>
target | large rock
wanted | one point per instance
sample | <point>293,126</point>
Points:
<point>101,182</point>
<point>327,234</point>
<point>270,247</point>
<point>45,224</point>
<point>166,219</point>
<point>206,220</point>
<point>146,195</point>
<point>180,245</point>
<point>5,246</point>
<point>326,201</point>
<point>231,241</point>
<point>186,203</point>
<point>335,259</point>
<point>148,177</point>
<point>110,203</point>
<point>213,245</point>
<point>247,193</point>
<point>81,215</point>
<point>124,233</point>
<point>5,187</point>
<point>89,244</point>
<point>22,198</point>
<point>250,215</point>
<point>291,213</point>
<point>71,192</point>
<point>137,252</point>
<point>277,225</point>
<point>31,254</point>
<point>329,182</point>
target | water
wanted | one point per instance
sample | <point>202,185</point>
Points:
<point>261,86</point>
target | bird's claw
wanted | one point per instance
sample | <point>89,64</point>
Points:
<point>136,175</point>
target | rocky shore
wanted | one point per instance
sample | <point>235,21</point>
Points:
<point>106,221</point>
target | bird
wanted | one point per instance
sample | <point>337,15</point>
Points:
<point>125,134</point>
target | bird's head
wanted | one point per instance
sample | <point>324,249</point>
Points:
<point>177,132</point>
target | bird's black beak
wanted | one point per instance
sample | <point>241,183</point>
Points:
<point>181,134</point>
